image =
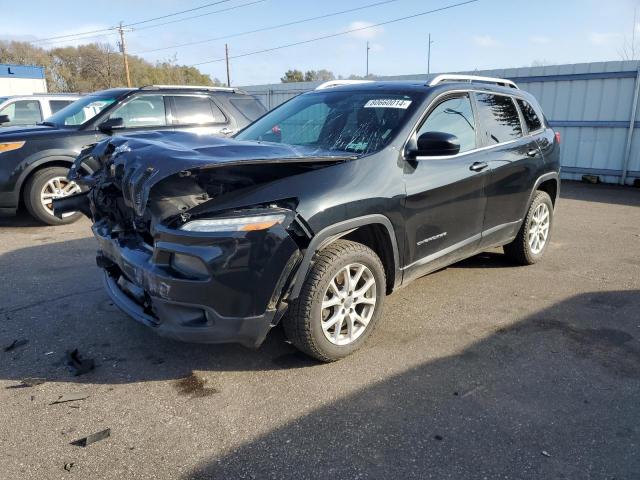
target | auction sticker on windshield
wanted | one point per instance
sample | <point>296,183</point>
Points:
<point>388,103</point>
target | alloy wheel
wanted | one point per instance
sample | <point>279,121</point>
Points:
<point>348,304</point>
<point>539,228</point>
<point>57,187</point>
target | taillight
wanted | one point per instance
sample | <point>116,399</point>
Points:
<point>558,138</point>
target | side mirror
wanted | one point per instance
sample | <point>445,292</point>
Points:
<point>434,144</point>
<point>111,124</point>
<point>4,119</point>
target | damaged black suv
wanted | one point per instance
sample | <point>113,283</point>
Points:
<point>320,208</point>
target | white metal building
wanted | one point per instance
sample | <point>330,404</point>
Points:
<point>21,80</point>
<point>594,106</point>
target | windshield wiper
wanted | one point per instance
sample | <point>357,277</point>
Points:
<point>47,124</point>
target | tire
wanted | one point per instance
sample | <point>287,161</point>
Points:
<point>32,200</point>
<point>304,321</point>
<point>521,250</point>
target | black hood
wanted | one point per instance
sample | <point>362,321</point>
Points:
<point>145,159</point>
<point>27,132</point>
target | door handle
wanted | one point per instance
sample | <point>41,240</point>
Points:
<point>478,166</point>
<point>532,153</point>
<point>226,131</point>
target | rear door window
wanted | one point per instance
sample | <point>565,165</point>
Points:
<point>530,116</point>
<point>57,105</point>
<point>499,117</point>
<point>250,107</point>
<point>142,111</point>
<point>196,110</point>
<point>22,112</point>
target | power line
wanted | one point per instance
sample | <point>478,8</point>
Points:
<point>178,13</point>
<point>38,40</point>
<point>115,32</point>
<point>201,15</point>
<point>345,32</point>
<point>86,37</point>
<point>133,23</point>
<point>273,27</point>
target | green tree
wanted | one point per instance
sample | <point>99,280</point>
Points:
<point>292,76</point>
<point>318,75</point>
<point>97,66</point>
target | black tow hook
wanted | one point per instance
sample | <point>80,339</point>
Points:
<point>72,203</point>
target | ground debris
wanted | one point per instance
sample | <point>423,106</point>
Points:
<point>194,386</point>
<point>69,466</point>
<point>28,382</point>
<point>70,397</point>
<point>16,344</point>
<point>545,453</point>
<point>93,438</point>
<point>79,366</point>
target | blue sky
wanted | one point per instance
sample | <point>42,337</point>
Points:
<point>485,34</point>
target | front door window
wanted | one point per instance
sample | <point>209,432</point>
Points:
<point>453,116</point>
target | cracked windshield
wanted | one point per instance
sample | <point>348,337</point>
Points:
<point>359,123</point>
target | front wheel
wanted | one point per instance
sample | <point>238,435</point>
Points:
<point>340,302</point>
<point>535,232</point>
<point>40,190</point>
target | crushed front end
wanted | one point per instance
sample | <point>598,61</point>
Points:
<point>177,255</point>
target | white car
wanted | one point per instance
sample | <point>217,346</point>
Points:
<point>31,109</point>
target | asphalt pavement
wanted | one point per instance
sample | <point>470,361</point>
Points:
<point>481,370</point>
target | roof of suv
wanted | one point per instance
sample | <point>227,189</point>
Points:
<point>45,95</point>
<point>168,88</point>
<point>445,82</point>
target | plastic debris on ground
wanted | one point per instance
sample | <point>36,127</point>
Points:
<point>93,438</point>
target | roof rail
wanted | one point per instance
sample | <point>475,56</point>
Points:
<point>190,87</point>
<point>472,78</point>
<point>337,83</point>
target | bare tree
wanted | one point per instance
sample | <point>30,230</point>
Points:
<point>629,48</point>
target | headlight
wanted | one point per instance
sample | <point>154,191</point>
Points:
<point>8,146</point>
<point>234,224</point>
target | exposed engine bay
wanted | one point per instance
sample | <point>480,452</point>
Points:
<point>146,179</point>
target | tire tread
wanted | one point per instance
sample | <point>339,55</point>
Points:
<point>296,324</point>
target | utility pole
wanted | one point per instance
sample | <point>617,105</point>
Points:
<point>123,49</point>
<point>429,56</point>
<point>226,56</point>
<point>367,75</point>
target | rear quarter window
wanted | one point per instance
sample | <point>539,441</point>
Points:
<point>249,107</point>
<point>531,118</point>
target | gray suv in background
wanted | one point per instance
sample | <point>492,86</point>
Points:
<point>34,161</point>
<point>31,109</point>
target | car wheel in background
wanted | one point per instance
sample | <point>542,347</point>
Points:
<point>339,303</point>
<point>40,190</point>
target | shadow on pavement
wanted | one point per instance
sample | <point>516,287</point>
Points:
<point>603,193</point>
<point>60,305</point>
<point>22,219</point>
<point>553,396</point>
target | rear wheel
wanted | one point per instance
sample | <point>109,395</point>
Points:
<point>340,302</point>
<point>535,232</point>
<point>40,190</point>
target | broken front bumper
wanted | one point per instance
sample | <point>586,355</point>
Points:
<point>200,287</point>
